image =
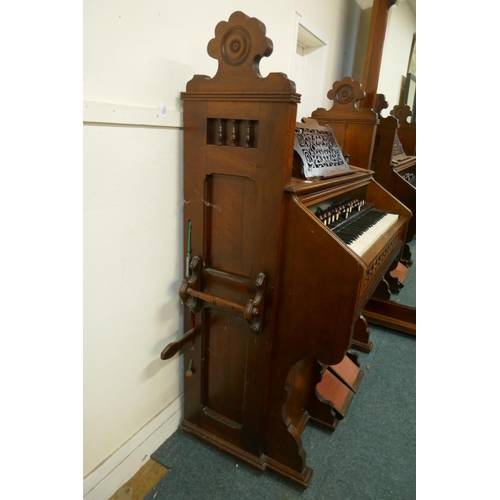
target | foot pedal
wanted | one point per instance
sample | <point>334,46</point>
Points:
<point>333,391</point>
<point>400,273</point>
<point>349,372</point>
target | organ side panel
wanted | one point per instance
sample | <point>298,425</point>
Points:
<point>383,167</point>
<point>235,152</point>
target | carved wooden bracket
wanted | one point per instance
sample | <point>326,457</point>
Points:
<point>380,103</point>
<point>252,312</point>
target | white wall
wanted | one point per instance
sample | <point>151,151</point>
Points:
<point>138,56</point>
<point>336,24</point>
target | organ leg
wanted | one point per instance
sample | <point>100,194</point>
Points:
<point>353,356</point>
<point>392,276</point>
<point>382,292</point>
<point>312,390</point>
<point>361,335</point>
<point>319,408</point>
<point>406,258</point>
<point>338,385</point>
<point>283,447</point>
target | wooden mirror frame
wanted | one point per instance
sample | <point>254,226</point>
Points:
<point>374,50</point>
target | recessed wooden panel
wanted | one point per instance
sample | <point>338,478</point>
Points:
<point>225,361</point>
<point>229,216</point>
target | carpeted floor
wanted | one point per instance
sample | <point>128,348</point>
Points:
<point>371,455</point>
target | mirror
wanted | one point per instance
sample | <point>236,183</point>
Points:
<point>388,31</point>
<point>368,136</point>
<point>410,85</point>
<point>386,49</point>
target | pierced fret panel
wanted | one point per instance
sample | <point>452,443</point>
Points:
<point>398,147</point>
<point>380,259</point>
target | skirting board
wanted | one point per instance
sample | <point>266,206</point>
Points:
<point>102,483</point>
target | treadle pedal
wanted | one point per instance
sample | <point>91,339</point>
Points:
<point>333,391</point>
<point>349,372</point>
<point>400,273</point>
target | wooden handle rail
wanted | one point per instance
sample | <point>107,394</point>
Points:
<point>252,312</point>
<point>212,299</point>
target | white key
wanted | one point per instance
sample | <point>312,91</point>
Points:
<point>368,238</point>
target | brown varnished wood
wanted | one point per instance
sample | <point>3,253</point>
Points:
<point>392,315</point>
<point>380,309</point>
<point>382,165</point>
<point>354,128</point>
<point>174,347</point>
<point>258,251</point>
<point>361,336</point>
<point>370,138</point>
<point>363,129</point>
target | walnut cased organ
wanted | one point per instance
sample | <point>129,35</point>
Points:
<point>272,293</point>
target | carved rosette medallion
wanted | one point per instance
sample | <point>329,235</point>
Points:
<point>240,43</point>
<point>345,94</point>
<point>236,45</point>
<point>402,112</point>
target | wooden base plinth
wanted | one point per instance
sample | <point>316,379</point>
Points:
<point>391,315</point>
<point>332,394</point>
<point>361,335</point>
<point>261,463</point>
<point>362,346</point>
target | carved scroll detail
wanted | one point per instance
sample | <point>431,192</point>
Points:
<point>380,103</point>
<point>238,46</point>
<point>402,112</point>
<point>240,41</point>
<point>345,94</point>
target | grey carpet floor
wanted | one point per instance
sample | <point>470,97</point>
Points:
<point>371,455</point>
